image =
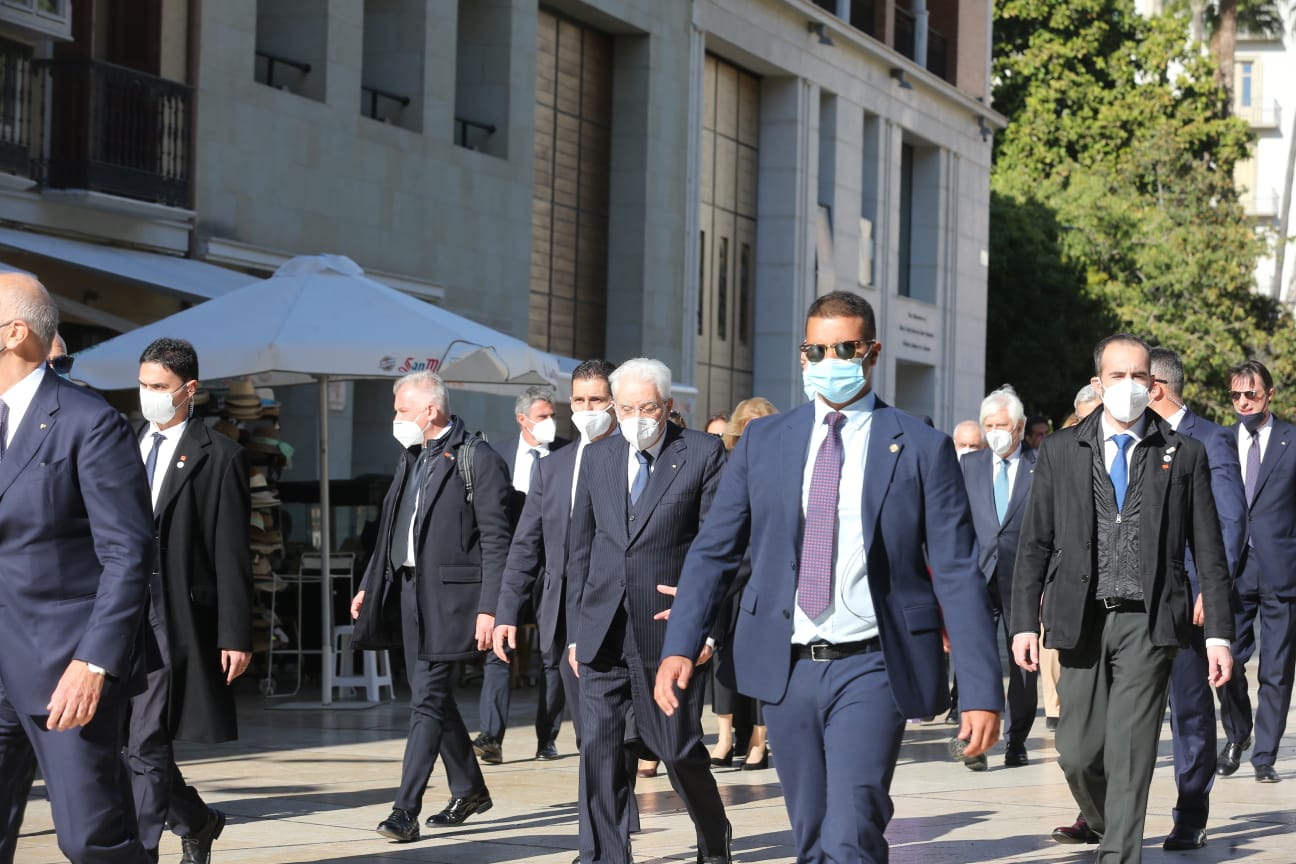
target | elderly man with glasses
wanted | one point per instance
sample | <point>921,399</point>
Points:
<point>639,501</point>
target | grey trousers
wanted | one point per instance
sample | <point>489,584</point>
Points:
<point>1114,689</point>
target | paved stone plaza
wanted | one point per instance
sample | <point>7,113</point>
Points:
<point>309,785</point>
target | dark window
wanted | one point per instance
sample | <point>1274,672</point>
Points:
<point>722,288</point>
<point>744,293</point>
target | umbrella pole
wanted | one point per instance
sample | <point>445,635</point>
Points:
<point>326,546</point>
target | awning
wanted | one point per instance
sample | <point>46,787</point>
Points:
<point>194,280</point>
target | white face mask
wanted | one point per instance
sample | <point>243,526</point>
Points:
<point>963,451</point>
<point>1000,441</point>
<point>641,432</point>
<point>545,431</point>
<point>157,407</point>
<point>1125,400</point>
<point>592,424</point>
<point>407,433</point>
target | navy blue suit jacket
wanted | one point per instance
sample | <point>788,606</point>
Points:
<point>1226,487</point>
<point>915,512</point>
<point>540,544</point>
<point>1273,511</point>
<point>76,543</point>
<point>619,555</point>
<point>997,542</point>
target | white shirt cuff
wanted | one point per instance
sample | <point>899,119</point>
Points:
<point>1219,643</point>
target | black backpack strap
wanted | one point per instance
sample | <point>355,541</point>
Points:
<point>464,459</point>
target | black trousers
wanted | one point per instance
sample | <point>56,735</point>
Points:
<point>497,695</point>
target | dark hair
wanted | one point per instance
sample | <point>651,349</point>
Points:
<point>719,415</point>
<point>844,304</point>
<point>1034,420</point>
<point>1167,367</point>
<point>1251,370</point>
<point>597,369</point>
<point>1128,338</point>
<point>175,355</point>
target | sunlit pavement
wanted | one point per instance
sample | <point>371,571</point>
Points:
<point>309,785</point>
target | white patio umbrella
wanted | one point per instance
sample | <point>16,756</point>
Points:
<point>319,318</point>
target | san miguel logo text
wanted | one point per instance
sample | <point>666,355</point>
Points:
<point>409,364</point>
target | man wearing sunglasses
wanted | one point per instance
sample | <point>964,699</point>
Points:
<point>839,627</point>
<point>1265,591</point>
<point>59,360</point>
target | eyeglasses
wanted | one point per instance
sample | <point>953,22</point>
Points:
<point>62,364</point>
<point>844,350</point>
<point>647,408</point>
<point>1251,395</point>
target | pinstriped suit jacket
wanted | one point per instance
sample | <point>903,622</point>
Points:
<point>620,555</point>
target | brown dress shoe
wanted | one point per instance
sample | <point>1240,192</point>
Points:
<point>1079,832</point>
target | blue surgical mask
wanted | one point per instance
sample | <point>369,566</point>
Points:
<point>837,381</point>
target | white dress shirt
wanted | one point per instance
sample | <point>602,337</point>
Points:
<point>850,616</point>
<point>19,398</point>
<point>1176,418</point>
<point>1244,440</point>
<point>524,462</point>
<point>581,444</point>
<point>171,438</point>
<point>410,547</point>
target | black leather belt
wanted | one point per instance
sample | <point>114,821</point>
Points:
<point>835,651</point>
<point>1121,604</point>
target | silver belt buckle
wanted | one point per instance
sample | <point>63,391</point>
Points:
<point>1110,603</point>
<point>814,652</point>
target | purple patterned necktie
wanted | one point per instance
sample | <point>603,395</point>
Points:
<point>814,580</point>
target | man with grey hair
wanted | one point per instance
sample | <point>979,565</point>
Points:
<point>537,438</point>
<point>1086,401</point>
<point>968,438</point>
<point>436,568</point>
<point>639,501</point>
<point>72,491</point>
<point>998,481</point>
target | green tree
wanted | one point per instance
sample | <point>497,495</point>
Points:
<point>1119,129</point>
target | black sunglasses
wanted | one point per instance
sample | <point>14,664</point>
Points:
<point>844,350</point>
<point>1251,395</point>
<point>62,364</point>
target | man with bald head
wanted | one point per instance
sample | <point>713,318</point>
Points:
<point>72,491</point>
<point>968,438</point>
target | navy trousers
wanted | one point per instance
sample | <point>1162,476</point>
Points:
<point>1192,719</point>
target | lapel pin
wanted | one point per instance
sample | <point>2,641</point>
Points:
<point>895,448</point>
<point>1167,457</point>
<point>674,466</point>
<point>1165,467</point>
<point>180,464</point>
<point>43,426</point>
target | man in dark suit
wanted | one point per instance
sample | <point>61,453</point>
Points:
<point>72,491</point>
<point>1114,503</point>
<point>1265,592</point>
<point>839,626</point>
<point>439,558</point>
<point>998,482</point>
<point>201,606</point>
<point>639,501</point>
<point>1192,705</point>
<point>537,439</point>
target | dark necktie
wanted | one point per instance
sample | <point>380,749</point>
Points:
<point>1001,490</point>
<point>405,511</point>
<point>150,462</point>
<point>1120,470</point>
<point>814,579</point>
<point>531,470</point>
<point>641,479</point>
<point>1252,467</point>
<point>4,426</point>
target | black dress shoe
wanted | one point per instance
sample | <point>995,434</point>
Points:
<point>488,749</point>
<point>727,761</point>
<point>1230,757</point>
<point>1266,774</point>
<point>1079,832</point>
<point>1015,756</point>
<point>1050,723</point>
<point>547,752</point>
<point>460,809</point>
<point>1184,839</point>
<point>196,848</point>
<point>400,826</point>
<point>760,764</point>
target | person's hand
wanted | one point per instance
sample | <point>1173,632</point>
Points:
<point>1219,665</point>
<point>356,602</point>
<point>669,591</point>
<point>1025,651</point>
<point>485,626</point>
<point>980,729</point>
<point>706,654</point>
<point>75,699</point>
<point>571,661</point>
<point>504,639</point>
<point>1199,612</point>
<point>672,672</point>
<point>234,664</point>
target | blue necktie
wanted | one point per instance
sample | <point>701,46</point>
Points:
<point>150,463</point>
<point>1001,490</point>
<point>641,479</point>
<point>1120,470</point>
